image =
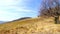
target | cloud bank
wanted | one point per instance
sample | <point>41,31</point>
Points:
<point>13,9</point>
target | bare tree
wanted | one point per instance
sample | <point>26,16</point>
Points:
<point>50,8</point>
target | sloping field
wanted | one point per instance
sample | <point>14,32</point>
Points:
<point>31,26</point>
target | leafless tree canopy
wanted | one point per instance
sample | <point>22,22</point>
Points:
<point>50,8</point>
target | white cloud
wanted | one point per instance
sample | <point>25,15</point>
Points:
<point>12,2</point>
<point>5,15</point>
<point>6,2</point>
<point>9,9</point>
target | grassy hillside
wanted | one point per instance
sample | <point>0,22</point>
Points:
<point>30,26</point>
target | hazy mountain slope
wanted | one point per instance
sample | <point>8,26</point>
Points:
<point>22,18</point>
<point>1,22</point>
<point>30,26</point>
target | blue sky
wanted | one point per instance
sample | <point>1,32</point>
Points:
<point>14,9</point>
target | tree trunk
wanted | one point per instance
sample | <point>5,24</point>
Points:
<point>57,20</point>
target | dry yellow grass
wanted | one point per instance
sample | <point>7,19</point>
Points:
<point>31,26</point>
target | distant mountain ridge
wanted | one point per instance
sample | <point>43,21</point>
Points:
<point>1,22</point>
<point>22,18</point>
